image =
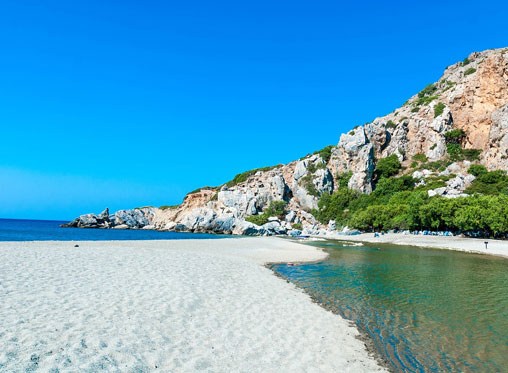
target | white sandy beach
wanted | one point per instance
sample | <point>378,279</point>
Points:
<point>170,306</point>
<point>472,245</point>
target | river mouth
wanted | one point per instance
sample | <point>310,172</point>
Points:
<point>424,310</point>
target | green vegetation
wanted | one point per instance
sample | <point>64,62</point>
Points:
<point>454,139</point>
<point>240,178</point>
<point>343,179</point>
<point>169,207</point>
<point>438,109</point>
<point>396,203</point>
<point>258,219</point>
<point>325,153</point>
<point>276,208</point>
<point>425,96</point>
<point>420,158</point>
<point>388,166</point>
<point>308,184</point>
<point>477,170</point>
<point>455,136</point>
<point>465,61</point>
<point>427,91</point>
<point>469,71</point>
<point>488,183</point>
<point>297,226</point>
<point>390,124</point>
<point>202,188</point>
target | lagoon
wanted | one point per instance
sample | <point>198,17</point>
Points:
<point>424,310</point>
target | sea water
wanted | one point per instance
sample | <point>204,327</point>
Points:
<point>50,230</point>
<point>425,310</point>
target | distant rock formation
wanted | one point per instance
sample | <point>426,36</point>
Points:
<point>122,219</point>
<point>471,96</point>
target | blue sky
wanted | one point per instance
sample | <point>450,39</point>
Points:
<point>130,103</point>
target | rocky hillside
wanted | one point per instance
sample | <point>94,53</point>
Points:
<point>459,120</point>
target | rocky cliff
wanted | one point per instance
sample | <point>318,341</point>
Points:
<point>471,97</point>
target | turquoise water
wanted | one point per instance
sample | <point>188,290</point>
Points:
<point>425,310</point>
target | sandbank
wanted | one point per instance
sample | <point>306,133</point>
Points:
<point>170,306</point>
<point>472,245</point>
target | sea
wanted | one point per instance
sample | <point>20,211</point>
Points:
<point>50,230</point>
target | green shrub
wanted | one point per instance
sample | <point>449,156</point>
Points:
<point>455,152</point>
<point>169,207</point>
<point>420,157</point>
<point>424,101</point>
<point>276,208</point>
<point>489,183</point>
<point>390,124</point>
<point>477,170</point>
<point>388,166</point>
<point>343,179</point>
<point>471,154</point>
<point>257,219</point>
<point>469,71</point>
<point>438,109</point>
<point>308,183</point>
<point>297,226</point>
<point>240,178</point>
<point>454,136</point>
<point>416,109</point>
<point>427,91</point>
<point>465,61</point>
<point>325,153</point>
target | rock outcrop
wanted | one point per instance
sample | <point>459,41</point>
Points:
<point>471,96</point>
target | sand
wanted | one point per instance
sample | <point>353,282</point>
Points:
<point>169,306</point>
<point>472,245</point>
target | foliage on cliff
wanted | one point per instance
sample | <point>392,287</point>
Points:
<point>397,203</point>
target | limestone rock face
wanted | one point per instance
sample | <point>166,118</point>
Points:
<point>122,219</point>
<point>355,154</point>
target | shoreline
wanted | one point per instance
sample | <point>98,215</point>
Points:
<point>465,244</point>
<point>178,305</point>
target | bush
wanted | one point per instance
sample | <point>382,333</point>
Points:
<point>455,152</point>
<point>420,157</point>
<point>343,179</point>
<point>438,109</point>
<point>471,154</point>
<point>388,166</point>
<point>489,183</point>
<point>276,208</point>
<point>240,178</point>
<point>325,153</point>
<point>477,170</point>
<point>454,136</point>
<point>469,71</point>
<point>297,226</point>
<point>169,207</point>
<point>465,61</point>
<point>427,91</point>
<point>390,124</point>
<point>259,219</point>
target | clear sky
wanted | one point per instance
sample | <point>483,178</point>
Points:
<point>131,103</point>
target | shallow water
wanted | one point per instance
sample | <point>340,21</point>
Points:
<point>50,230</point>
<point>425,310</point>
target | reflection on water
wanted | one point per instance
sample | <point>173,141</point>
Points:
<point>425,310</point>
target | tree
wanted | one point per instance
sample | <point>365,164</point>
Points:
<point>388,166</point>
